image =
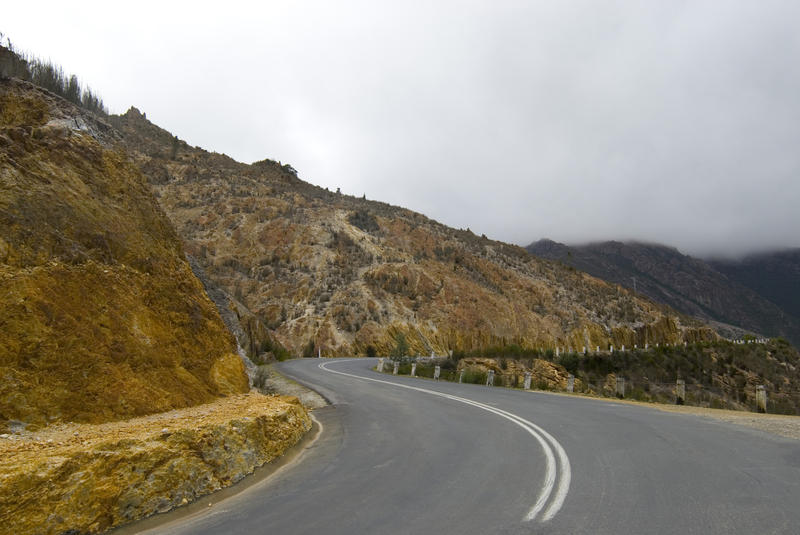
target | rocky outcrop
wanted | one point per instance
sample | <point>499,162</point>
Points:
<point>545,375</point>
<point>101,317</point>
<point>90,478</point>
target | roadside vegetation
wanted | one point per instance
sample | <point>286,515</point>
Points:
<point>718,374</point>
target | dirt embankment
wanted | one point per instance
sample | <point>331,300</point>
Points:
<point>88,478</point>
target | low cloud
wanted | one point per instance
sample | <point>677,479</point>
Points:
<point>676,122</point>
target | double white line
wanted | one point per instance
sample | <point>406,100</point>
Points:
<point>557,473</point>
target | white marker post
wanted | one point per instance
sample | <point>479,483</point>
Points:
<point>380,364</point>
<point>414,369</point>
<point>527,383</point>
<point>570,383</point>
<point>761,399</point>
<point>680,392</point>
<point>396,366</point>
<point>490,378</point>
<point>436,372</point>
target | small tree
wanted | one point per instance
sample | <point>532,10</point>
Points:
<point>400,349</point>
<point>72,90</point>
<point>308,350</point>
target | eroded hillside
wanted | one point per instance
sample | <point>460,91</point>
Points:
<point>102,317</point>
<point>320,270</point>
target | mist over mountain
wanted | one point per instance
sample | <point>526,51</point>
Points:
<point>759,293</point>
<point>678,116</point>
<point>775,276</point>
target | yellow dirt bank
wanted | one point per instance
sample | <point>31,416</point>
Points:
<point>89,478</point>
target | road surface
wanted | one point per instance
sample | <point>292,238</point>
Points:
<point>403,455</point>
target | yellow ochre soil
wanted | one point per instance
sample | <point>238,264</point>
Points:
<point>92,477</point>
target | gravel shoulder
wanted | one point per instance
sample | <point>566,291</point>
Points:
<point>778,424</point>
<point>276,383</point>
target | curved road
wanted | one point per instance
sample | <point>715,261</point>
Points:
<point>402,455</point>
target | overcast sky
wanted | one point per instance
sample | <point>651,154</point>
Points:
<point>668,121</point>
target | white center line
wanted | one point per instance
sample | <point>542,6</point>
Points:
<point>554,470</point>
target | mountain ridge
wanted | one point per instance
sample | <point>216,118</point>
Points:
<point>707,289</point>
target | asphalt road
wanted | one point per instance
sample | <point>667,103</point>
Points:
<point>468,459</point>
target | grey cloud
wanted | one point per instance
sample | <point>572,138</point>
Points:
<point>667,121</point>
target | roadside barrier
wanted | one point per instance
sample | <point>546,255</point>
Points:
<point>746,397</point>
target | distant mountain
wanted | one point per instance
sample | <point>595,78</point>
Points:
<point>775,276</point>
<point>759,294</point>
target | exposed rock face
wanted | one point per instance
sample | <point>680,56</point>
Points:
<point>511,372</point>
<point>759,294</point>
<point>89,478</point>
<point>100,315</point>
<point>320,270</point>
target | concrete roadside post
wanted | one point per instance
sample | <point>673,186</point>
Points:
<point>620,387</point>
<point>761,399</point>
<point>414,369</point>
<point>527,382</point>
<point>680,392</point>
<point>570,383</point>
<point>437,371</point>
<point>396,367</point>
<point>380,364</point>
<point>461,376</point>
<point>490,378</point>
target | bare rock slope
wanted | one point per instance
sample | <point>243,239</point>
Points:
<point>102,318</point>
<point>316,270</point>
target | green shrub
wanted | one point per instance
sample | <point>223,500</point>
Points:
<point>474,376</point>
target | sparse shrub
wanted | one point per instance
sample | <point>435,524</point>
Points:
<point>364,220</point>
